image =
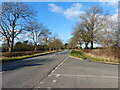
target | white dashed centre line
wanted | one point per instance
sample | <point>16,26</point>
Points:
<point>58,75</point>
<point>59,65</point>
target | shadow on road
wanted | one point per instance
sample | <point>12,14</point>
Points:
<point>15,64</point>
<point>7,66</point>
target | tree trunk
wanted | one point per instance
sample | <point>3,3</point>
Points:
<point>9,46</point>
<point>9,49</point>
<point>91,45</point>
<point>12,44</point>
<point>46,41</point>
<point>13,33</point>
<point>35,49</point>
<point>86,45</point>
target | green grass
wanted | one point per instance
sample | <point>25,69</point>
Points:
<point>83,55</point>
<point>77,54</point>
<point>26,56</point>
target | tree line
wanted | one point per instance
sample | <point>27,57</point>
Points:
<point>18,18</point>
<point>96,26</point>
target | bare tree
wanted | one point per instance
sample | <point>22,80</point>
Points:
<point>81,34</point>
<point>13,17</point>
<point>73,42</point>
<point>45,34</point>
<point>34,29</point>
<point>109,35</point>
<point>92,19</point>
<point>56,44</point>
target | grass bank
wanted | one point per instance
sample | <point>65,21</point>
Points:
<point>78,54</point>
<point>83,55</point>
<point>26,56</point>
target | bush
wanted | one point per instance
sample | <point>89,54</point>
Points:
<point>16,54</point>
<point>19,46</point>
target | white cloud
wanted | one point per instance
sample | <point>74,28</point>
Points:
<point>55,8</point>
<point>71,13</point>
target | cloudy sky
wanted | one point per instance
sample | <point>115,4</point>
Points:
<point>60,17</point>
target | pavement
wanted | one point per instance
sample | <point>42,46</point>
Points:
<point>58,70</point>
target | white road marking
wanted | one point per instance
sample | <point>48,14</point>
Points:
<point>53,71</point>
<point>59,65</point>
<point>54,81</point>
<point>90,76</point>
<point>55,68</point>
<point>58,75</point>
<point>49,75</point>
<point>41,82</point>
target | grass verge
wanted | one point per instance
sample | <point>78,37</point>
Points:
<point>83,55</point>
<point>26,56</point>
<point>77,54</point>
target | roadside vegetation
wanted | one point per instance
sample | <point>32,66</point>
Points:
<point>97,27</point>
<point>23,35</point>
<point>6,59</point>
<point>85,55</point>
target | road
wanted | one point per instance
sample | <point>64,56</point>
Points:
<point>58,70</point>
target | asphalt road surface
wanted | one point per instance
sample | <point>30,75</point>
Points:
<point>58,70</point>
